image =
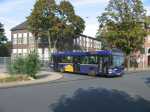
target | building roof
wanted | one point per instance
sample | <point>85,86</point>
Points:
<point>89,37</point>
<point>22,26</point>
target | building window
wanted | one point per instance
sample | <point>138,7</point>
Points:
<point>25,40</point>
<point>95,44</point>
<point>25,35</point>
<point>15,35</point>
<point>90,41</point>
<point>20,35</point>
<point>30,35</point>
<point>31,40</point>
<point>19,40</point>
<point>20,51</point>
<point>40,53</point>
<point>14,40</point>
<point>87,44</point>
<point>31,50</point>
<point>14,51</point>
<point>25,51</point>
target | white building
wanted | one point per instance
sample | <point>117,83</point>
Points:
<point>23,42</point>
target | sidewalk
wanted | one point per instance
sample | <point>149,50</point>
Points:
<point>133,70</point>
<point>44,77</point>
<point>48,75</point>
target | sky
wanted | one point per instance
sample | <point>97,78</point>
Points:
<point>13,12</point>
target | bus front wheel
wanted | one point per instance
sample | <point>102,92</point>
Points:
<point>62,70</point>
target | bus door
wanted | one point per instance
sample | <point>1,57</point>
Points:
<point>55,63</point>
<point>100,64</point>
<point>105,64</point>
<point>76,64</point>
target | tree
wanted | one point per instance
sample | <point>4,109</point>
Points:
<point>122,25</point>
<point>3,38</point>
<point>5,50</point>
<point>104,43</point>
<point>147,22</point>
<point>72,25</point>
<point>4,44</point>
<point>58,22</point>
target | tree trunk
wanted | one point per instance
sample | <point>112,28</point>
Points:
<point>55,43</point>
<point>36,42</point>
<point>49,47</point>
<point>128,62</point>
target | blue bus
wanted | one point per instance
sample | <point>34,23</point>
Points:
<point>103,62</point>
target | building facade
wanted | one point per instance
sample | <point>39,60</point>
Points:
<point>23,42</point>
<point>143,59</point>
<point>147,49</point>
<point>88,43</point>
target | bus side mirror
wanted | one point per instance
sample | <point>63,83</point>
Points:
<point>122,66</point>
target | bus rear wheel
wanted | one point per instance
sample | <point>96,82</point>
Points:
<point>92,73</point>
<point>62,70</point>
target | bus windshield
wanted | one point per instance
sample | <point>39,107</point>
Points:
<point>118,60</point>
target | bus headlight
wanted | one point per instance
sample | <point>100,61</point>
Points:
<point>115,69</point>
<point>110,71</point>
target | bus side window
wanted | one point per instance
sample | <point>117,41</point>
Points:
<point>84,60</point>
<point>93,60</point>
<point>67,59</point>
<point>89,60</point>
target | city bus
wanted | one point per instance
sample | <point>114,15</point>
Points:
<point>99,63</point>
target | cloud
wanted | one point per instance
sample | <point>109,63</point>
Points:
<point>8,24</point>
<point>88,2</point>
<point>6,7</point>
<point>91,29</point>
<point>148,10</point>
<point>12,12</point>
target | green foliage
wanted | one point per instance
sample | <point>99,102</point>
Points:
<point>28,65</point>
<point>122,25</point>
<point>4,44</point>
<point>32,64</point>
<point>17,66</point>
<point>5,50</point>
<point>147,23</point>
<point>56,21</point>
<point>3,38</point>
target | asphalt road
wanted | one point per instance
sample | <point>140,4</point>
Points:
<point>77,93</point>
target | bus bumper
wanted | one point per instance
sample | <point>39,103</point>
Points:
<point>115,73</point>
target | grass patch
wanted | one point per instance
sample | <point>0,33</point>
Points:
<point>15,78</point>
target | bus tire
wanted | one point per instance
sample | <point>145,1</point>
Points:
<point>62,70</point>
<point>92,73</point>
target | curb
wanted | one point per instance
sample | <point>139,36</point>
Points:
<point>136,71</point>
<point>53,77</point>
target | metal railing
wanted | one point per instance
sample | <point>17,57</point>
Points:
<point>4,61</point>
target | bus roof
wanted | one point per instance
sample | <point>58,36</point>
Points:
<point>79,53</point>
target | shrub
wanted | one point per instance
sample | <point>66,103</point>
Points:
<point>17,66</point>
<point>28,65</point>
<point>32,64</point>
